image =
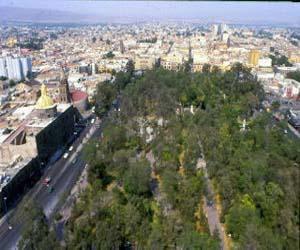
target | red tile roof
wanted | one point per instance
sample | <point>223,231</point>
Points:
<point>78,95</point>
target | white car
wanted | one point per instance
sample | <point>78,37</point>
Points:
<point>66,155</point>
<point>92,121</point>
<point>71,148</point>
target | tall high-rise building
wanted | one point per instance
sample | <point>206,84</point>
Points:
<point>225,37</point>
<point>122,48</point>
<point>94,68</point>
<point>254,57</point>
<point>26,66</point>
<point>215,28</point>
<point>222,28</point>
<point>3,71</point>
<point>15,68</point>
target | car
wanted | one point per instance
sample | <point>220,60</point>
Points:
<point>71,148</point>
<point>50,189</point>
<point>66,155</point>
<point>92,121</point>
<point>74,161</point>
<point>47,180</point>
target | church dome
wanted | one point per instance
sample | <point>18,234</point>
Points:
<point>44,102</point>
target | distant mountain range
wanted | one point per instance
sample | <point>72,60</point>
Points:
<point>26,15</point>
<point>33,15</point>
<point>16,14</point>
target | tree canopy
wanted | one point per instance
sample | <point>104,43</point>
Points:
<point>133,203</point>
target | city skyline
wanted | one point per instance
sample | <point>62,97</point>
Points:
<point>149,125</point>
<point>251,13</point>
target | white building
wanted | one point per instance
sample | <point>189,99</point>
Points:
<point>265,62</point>
<point>3,71</point>
<point>15,68</point>
<point>215,29</point>
<point>26,66</point>
<point>265,76</point>
<point>225,37</point>
<point>291,88</point>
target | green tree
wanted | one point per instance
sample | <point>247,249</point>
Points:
<point>3,78</point>
<point>206,68</point>
<point>294,75</point>
<point>12,83</point>
<point>275,105</point>
<point>105,95</point>
<point>109,55</point>
<point>36,233</point>
<point>137,179</point>
<point>130,67</point>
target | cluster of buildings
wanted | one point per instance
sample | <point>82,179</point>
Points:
<point>37,116</point>
<point>35,128</point>
<point>94,53</point>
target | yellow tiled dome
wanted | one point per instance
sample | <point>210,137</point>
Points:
<point>44,101</point>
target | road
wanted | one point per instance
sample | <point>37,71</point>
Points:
<point>209,206</point>
<point>63,175</point>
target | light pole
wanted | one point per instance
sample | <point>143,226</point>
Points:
<point>4,200</point>
<point>9,226</point>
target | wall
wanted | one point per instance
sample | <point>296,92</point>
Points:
<point>21,182</point>
<point>56,134</point>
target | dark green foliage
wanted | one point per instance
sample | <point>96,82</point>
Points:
<point>36,234</point>
<point>32,43</point>
<point>130,67</point>
<point>109,55</point>
<point>137,179</point>
<point>12,83</point>
<point>294,75</point>
<point>280,60</point>
<point>191,240</point>
<point>106,94</point>
<point>256,171</point>
<point>206,68</point>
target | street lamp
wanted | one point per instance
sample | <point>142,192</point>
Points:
<point>4,199</point>
<point>9,226</point>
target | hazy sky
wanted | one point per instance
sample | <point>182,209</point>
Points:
<point>238,12</point>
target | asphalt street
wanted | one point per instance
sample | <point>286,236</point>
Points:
<point>63,174</point>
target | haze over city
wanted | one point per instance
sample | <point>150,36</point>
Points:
<point>255,13</point>
<point>149,125</point>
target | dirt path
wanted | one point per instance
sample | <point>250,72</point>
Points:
<point>159,196</point>
<point>210,210</point>
<point>210,207</point>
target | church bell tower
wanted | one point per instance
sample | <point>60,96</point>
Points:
<point>63,88</point>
